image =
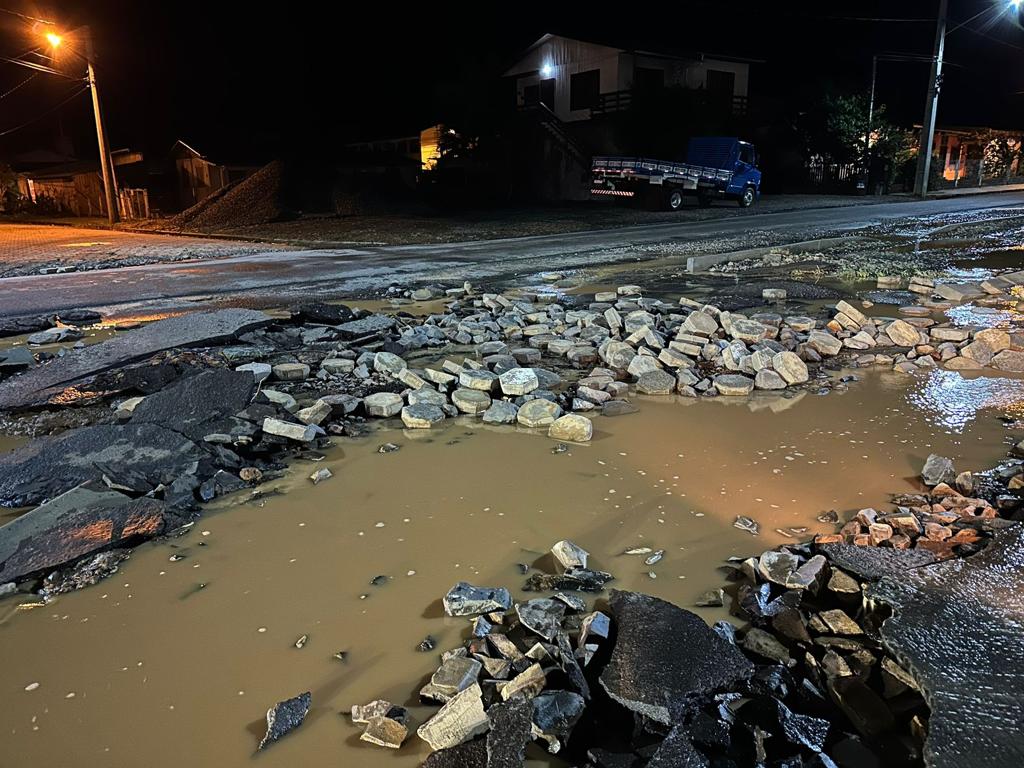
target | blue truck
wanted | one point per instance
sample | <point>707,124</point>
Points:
<point>716,167</point>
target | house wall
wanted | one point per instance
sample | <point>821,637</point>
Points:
<point>565,58</point>
<point>78,195</point>
<point>692,74</point>
<point>198,179</point>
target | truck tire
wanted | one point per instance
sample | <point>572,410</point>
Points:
<point>674,199</point>
<point>747,197</point>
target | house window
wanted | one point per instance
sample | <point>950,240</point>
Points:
<point>721,82</point>
<point>584,89</point>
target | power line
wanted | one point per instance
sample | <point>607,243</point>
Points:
<point>25,17</point>
<point>50,111</point>
<point>19,85</point>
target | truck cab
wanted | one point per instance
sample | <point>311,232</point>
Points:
<point>728,154</point>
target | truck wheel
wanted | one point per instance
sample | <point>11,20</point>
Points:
<point>704,201</point>
<point>674,199</point>
<point>748,197</point>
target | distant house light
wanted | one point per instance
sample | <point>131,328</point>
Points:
<point>546,70</point>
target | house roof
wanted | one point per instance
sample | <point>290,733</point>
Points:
<point>638,47</point>
<point>192,151</point>
<point>66,170</point>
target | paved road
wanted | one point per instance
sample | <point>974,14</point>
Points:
<point>27,248</point>
<point>281,276</point>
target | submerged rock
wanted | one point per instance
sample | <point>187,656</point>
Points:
<point>285,717</point>
<point>666,657</point>
<point>466,600</point>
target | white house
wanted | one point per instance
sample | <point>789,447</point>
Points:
<point>578,80</point>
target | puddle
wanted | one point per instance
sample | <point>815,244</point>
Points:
<point>132,669</point>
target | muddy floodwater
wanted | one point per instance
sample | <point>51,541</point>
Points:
<point>172,663</point>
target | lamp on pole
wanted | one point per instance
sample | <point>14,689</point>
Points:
<point>931,106</point>
<point>106,166</point>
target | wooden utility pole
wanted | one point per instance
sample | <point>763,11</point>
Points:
<point>931,106</point>
<point>106,166</point>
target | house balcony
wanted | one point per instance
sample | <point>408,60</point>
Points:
<point>623,101</point>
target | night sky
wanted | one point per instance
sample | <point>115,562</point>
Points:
<point>254,81</point>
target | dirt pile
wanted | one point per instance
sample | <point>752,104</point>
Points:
<point>258,199</point>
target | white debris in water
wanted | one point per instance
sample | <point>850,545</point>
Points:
<point>379,525</point>
<point>410,573</point>
<point>262,629</point>
<point>70,695</point>
<point>31,686</point>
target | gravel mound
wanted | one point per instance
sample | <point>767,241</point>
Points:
<point>259,199</point>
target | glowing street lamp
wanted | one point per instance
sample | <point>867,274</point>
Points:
<point>54,39</point>
<point>924,154</point>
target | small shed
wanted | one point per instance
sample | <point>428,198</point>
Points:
<point>197,176</point>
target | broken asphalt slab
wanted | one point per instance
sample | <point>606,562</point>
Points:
<point>666,659</point>
<point>198,405</point>
<point>83,520</point>
<point>40,384</point>
<point>43,469</point>
<point>956,626</point>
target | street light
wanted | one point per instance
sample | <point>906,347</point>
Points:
<point>106,168</point>
<point>931,104</point>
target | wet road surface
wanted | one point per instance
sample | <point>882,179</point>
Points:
<point>286,275</point>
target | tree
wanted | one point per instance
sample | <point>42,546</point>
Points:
<point>836,131</point>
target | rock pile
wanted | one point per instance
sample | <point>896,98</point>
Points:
<point>640,682</point>
<point>927,342</point>
<point>949,519</point>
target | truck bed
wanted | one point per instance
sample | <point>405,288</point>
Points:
<point>653,171</point>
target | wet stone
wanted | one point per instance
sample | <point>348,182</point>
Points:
<point>538,413</point>
<point>383,404</point>
<point>471,401</point>
<point>421,416</point>
<point>518,381</point>
<point>501,412</point>
<point>285,717</point>
<point>618,408</point>
<point>456,674</point>
<point>938,469</point>
<point>777,567</point>
<point>464,599</point>
<point>569,555</point>
<point>656,382</point>
<point>302,433</point>
<point>458,721</point>
<point>572,427</point>
<point>733,384</point>
<point>384,732</point>
<point>542,616</point>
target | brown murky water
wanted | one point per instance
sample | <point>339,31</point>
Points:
<point>147,668</point>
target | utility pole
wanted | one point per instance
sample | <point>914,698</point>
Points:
<point>931,105</point>
<point>106,166</point>
<point>871,118</point>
